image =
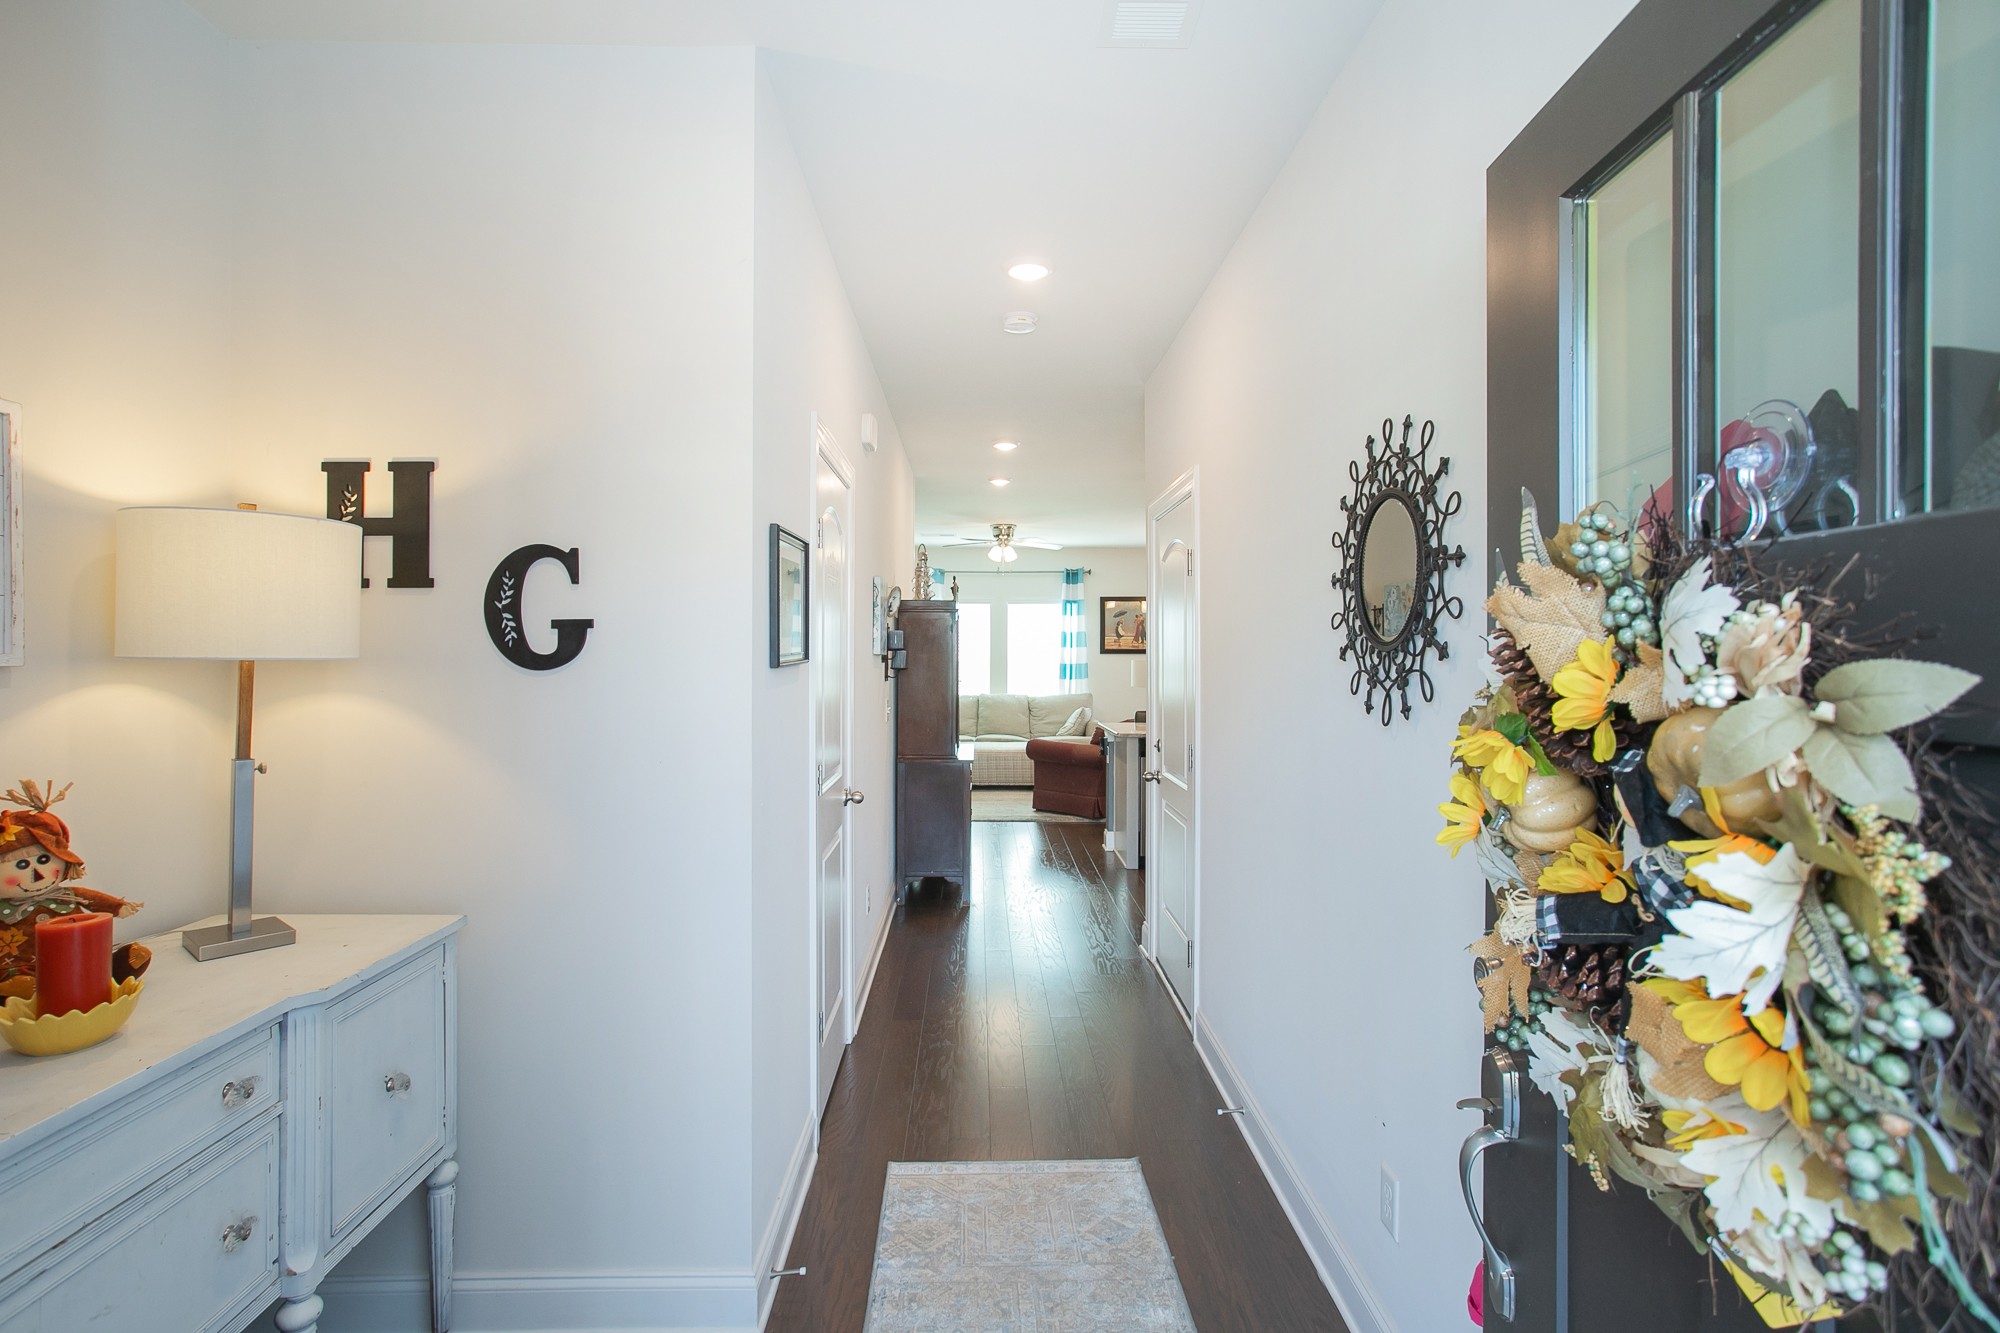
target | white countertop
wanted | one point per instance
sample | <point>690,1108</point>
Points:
<point>188,1009</point>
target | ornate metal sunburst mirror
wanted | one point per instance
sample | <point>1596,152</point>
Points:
<point>1392,562</point>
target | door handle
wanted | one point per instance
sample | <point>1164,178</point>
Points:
<point>849,796</point>
<point>1151,776</point>
<point>1499,1271</point>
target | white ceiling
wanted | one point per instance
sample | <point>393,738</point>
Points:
<point>945,140</point>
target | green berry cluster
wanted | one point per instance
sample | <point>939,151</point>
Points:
<point>1871,1146</point>
<point>1513,1034</point>
<point>1604,552</point>
<point>1849,1270</point>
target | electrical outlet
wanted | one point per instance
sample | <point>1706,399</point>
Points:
<point>1389,1204</point>
<point>867,899</point>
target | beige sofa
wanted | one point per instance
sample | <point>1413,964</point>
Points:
<point>999,726</point>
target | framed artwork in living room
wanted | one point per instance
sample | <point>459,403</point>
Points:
<point>1121,624</point>
<point>791,597</point>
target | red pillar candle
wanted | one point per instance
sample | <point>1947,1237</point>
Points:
<point>72,962</point>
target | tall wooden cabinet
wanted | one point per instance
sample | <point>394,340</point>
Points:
<point>933,772</point>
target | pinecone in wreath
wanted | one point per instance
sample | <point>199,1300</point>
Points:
<point>1536,699</point>
<point>1590,978</point>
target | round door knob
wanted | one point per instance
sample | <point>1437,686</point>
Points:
<point>1152,776</point>
<point>849,796</point>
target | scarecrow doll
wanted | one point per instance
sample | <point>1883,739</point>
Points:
<point>36,870</point>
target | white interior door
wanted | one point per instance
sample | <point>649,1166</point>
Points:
<point>832,495</point>
<point>1172,870</point>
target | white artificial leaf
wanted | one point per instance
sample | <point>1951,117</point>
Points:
<point>1553,1051</point>
<point>1495,862</point>
<point>1690,609</point>
<point>1736,951</point>
<point>1758,1175</point>
<point>1787,1260</point>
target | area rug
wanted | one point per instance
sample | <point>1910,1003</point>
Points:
<point>1014,805</point>
<point>1022,1247</point>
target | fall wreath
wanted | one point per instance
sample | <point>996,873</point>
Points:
<point>1744,920</point>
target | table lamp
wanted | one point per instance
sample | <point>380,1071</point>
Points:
<point>246,586</point>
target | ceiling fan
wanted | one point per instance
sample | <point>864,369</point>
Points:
<point>1000,546</point>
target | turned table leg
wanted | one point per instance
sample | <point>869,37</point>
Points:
<point>299,1314</point>
<point>443,1195</point>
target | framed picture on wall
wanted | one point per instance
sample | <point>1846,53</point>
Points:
<point>10,535</point>
<point>1121,624</point>
<point>791,597</point>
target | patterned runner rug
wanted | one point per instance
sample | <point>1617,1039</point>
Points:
<point>1022,1247</point>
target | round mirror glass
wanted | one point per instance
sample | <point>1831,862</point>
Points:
<point>1389,567</point>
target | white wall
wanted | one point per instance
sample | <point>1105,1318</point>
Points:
<point>534,265</point>
<point>1333,930</point>
<point>810,359</point>
<point>538,266</point>
<point>1117,680</point>
<point>114,338</point>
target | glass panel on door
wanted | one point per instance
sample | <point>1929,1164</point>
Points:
<point>1787,280</point>
<point>1623,247</point>
<point>1956,463</point>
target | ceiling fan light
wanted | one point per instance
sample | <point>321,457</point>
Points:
<point>1008,555</point>
<point>997,554</point>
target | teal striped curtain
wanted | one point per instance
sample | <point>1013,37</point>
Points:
<point>1074,672</point>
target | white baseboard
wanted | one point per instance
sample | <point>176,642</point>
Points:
<point>1359,1305</point>
<point>784,1220</point>
<point>662,1301</point>
<point>867,987</point>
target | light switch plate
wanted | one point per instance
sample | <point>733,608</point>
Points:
<point>1390,1203</point>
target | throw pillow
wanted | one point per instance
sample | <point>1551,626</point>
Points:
<point>1077,725</point>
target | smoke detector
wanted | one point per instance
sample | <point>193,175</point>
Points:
<point>1148,23</point>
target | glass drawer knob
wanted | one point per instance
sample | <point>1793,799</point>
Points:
<point>239,1093</point>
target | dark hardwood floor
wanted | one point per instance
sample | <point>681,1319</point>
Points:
<point>1021,1022</point>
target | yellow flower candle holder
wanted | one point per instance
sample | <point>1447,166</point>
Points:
<point>62,1033</point>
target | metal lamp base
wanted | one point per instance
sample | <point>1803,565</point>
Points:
<point>211,942</point>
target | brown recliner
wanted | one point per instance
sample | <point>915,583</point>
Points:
<point>1069,775</point>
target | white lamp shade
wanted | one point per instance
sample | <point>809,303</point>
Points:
<point>238,585</point>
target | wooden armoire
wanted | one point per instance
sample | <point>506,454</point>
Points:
<point>933,773</point>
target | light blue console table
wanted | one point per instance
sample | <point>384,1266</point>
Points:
<point>256,1118</point>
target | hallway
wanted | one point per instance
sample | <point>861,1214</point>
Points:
<point>1028,1025</point>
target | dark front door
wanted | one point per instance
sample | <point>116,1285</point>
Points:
<point>1739,211</point>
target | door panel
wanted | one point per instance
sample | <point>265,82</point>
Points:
<point>1172,863</point>
<point>831,860</point>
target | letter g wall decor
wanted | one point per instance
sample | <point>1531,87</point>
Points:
<point>504,613</point>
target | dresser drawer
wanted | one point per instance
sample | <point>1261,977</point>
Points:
<point>197,1255</point>
<point>387,1099</point>
<point>45,1195</point>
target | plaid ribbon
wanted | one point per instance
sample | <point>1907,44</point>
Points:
<point>1585,918</point>
<point>1661,875</point>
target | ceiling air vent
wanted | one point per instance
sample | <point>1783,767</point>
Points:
<point>1148,22</point>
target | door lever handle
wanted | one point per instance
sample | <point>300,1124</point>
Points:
<point>1499,1269</point>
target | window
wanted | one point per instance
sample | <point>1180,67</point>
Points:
<point>975,648</point>
<point>1624,248</point>
<point>1034,648</point>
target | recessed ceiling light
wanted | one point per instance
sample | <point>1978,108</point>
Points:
<point>1029,272</point>
<point>1019,321</point>
<point>1006,446</point>
<point>998,481</point>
